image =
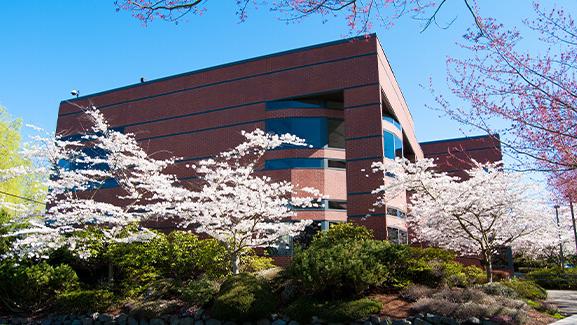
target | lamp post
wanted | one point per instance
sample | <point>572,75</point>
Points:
<point>559,232</point>
<point>573,219</point>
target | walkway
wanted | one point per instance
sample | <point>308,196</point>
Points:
<point>565,300</point>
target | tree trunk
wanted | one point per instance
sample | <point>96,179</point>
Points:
<point>489,269</point>
<point>235,260</point>
<point>110,273</point>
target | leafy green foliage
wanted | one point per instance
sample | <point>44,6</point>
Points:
<point>244,297</point>
<point>180,255</point>
<point>84,301</point>
<point>29,288</point>
<point>254,263</point>
<point>555,278</point>
<point>526,289</point>
<point>200,291</point>
<point>345,260</point>
<point>305,308</point>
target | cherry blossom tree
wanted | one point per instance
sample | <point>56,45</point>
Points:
<point>76,170</point>
<point>360,15</point>
<point>239,206</point>
<point>490,210</point>
<point>531,90</point>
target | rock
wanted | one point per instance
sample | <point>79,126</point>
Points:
<point>315,320</point>
<point>472,321</point>
<point>47,321</point>
<point>386,321</point>
<point>279,322</point>
<point>174,320</point>
<point>420,321</point>
<point>401,322</point>
<point>156,321</point>
<point>293,322</point>
<point>199,322</point>
<point>76,322</point>
<point>187,321</point>
<point>367,322</point>
<point>87,321</point>
<point>105,318</point>
<point>198,314</point>
<point>131,321</point>
<point>212,321</point>
<point>263,321</point>
<point>375,320</point>
<point>143,321</point>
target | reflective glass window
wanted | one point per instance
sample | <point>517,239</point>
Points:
<point>289,163</point>
<point>312,129</point>
<point>393,145</point>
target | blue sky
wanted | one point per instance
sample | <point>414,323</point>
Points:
<point>52,47</point>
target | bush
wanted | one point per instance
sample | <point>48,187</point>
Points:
<point>305,308</point>
<point>415,292</point>
<point>200,291</point>
<point>84,301</point>
<point>29,288</point>
<point>244,297</point>
<point>180,255</point>
<point>255,263</point>
<point>345,268</point>
<point>435,266</point>
<point>463,304</point>
<point>499,289</point>
<point>555,278</point>
<point>526,289</point>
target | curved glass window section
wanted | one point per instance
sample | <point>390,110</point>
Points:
<point>393,145</point>
<point>318,132</point>
<point>393,121</point>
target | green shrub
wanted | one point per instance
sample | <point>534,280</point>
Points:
<point>498,289</point>
<point>526,289</point>
<point>84,301</point>
<point>435,266</point>
<point>555,278</point>
<point>179,255</point>
<point>255,263</point>
<point>28,288</point>
<point>305,308</point>
<point>347,267</point>
<point>463,304</point>
<point>200,291</point>
<point>244,297</point>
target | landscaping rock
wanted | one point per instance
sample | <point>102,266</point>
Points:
<point>156,321</point>
<point>187,321</point>
<point>263,321</point>
<point>90,321</point>
<point>174,320</point>
<point>143,322</point>
<point>76,322</point>
<point>279,322</point>
<point>121,319</point>
<point>472,321</point>
<point>47,321</point>
<point>293,322</point>
<point>420,321</point>
<point>401,322</point>
<point>198,314</point>
<point>386,321</point>
<point>199,322</point>
<point>105,318</point>
<point>375,320</point>
<point>212,321</point>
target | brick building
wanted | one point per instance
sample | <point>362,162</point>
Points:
<point>342,97</point>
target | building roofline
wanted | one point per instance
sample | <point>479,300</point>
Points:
<point>461,139</point>
<point>224,65</point>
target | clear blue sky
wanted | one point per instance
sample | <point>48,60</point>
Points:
<point>48,48</point>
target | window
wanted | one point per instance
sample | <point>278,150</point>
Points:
<point>340,164</point>
<point>337,205</point>
<point>395,212</point>
<point>393,146</point>
<point>336,133</point>
<point>397,236</point>
<point>327,205</point>
<point>290,163</point>
<point>319,132</point>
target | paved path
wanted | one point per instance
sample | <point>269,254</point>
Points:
<point>565,300</point>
